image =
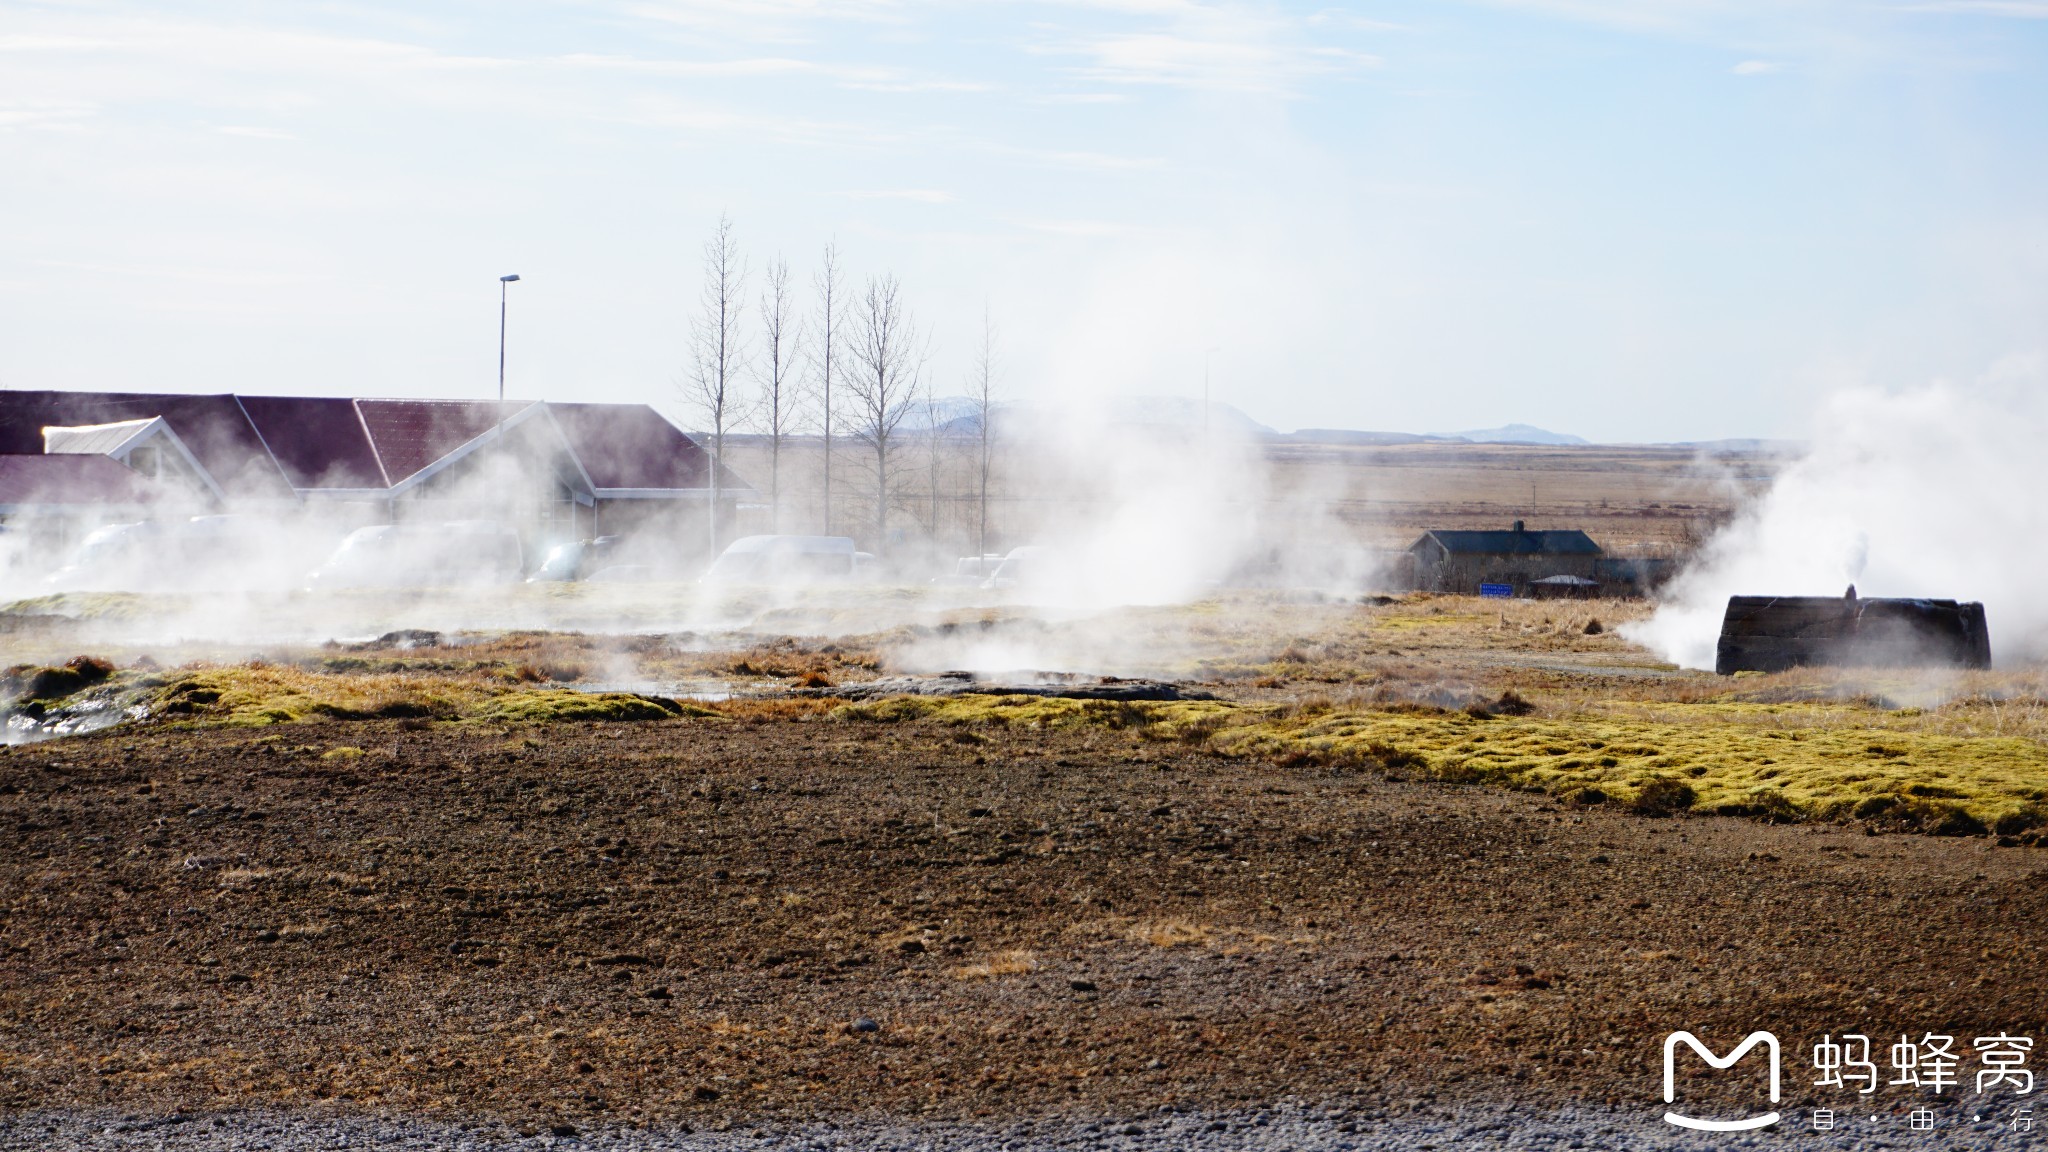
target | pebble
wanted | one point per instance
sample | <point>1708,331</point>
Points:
<point>1281,1128</point>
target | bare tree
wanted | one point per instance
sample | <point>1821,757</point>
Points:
<point>881,382</point>
<point>935,455</point>
<point>826,332</point>
<point>982,388</point>
<point>781,334</point>
<point>717,350</point>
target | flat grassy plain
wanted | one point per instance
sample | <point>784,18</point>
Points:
<point>1545,696</point>
<point>1642,499</point>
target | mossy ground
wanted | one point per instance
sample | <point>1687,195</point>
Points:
<point>1729,762</point>
<point>1405,685</point>
<point>260,695</point>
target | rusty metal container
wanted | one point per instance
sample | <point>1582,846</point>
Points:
<point>1773,633</point>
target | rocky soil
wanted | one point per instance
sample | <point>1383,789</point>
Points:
<point>707,933</point>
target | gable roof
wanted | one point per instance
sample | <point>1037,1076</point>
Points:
<point>214,428</point>
<point>95,439</point>
<point>317,441</point>
<point>1512,542</point>
<point>66,480</point>
<point>410,435</point>
<point>633,446</point>
<point>279,447</point>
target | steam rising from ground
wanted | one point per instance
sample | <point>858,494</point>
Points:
<point>1117,514</point>
<point>1930,493</point>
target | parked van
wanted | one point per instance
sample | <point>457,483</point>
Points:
<point>970,571</point>
<point>1023,568</point>
<point>109,559</point>
<point>577,560</point>
<point>789,560</point>
<point>201,554</point>
<point>460,553</point>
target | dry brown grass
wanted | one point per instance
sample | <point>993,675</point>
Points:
<point>1014,962</point>
<point>1169,933</point>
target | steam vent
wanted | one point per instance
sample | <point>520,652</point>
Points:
<point>1773,633</point>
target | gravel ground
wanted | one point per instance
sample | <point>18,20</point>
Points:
<point>1286,1128</point>
<point>732,927</point>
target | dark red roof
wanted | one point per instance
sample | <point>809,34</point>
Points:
<point>410,434</point>
<point>318,441</point>
<point>266,446</point>
<point>213,427</point>
<point>74,480</point>
<point>633,446</point>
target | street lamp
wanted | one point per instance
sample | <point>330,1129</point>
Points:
<point>502,282</point>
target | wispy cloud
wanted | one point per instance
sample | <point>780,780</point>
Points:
<point>1082,98</point>
<point>1089,229</point>
<point>916,195</point>
<point>1757,67</point>
<point>1199,45</point>
<point>1057,158</point>
<point>21,43</point>
<point>757,66</point>
<point>913,86</point>
<point>254,133</point>
<point>1201,62</point>
<point>765,20</point>
<point>2018,9</point>
<point>865,78</point>
<point>191,273</point>
<point>45,114</point>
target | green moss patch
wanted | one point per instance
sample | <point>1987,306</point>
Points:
<point>258,695</point>
<point>554,704</point>
<point>1724,761</point>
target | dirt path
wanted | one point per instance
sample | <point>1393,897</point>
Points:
<point>703,922</point>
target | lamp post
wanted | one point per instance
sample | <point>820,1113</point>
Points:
<point>502,282</point>
<point>498,432</point>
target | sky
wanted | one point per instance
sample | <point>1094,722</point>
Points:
<point>1633,221</point>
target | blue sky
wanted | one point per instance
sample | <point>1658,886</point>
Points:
<point>1667,219</point>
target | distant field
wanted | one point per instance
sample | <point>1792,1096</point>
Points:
<point>1647,500</point>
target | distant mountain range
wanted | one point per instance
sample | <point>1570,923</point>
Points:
<point>961,416</point>
<point>1518,434</point>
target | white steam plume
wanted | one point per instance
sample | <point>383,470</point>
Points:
<point>1931,492</point>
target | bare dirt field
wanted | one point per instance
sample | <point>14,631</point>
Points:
<point>692,918</point>
<point>1414,858</point>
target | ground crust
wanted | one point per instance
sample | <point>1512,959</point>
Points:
<point>677,921</point>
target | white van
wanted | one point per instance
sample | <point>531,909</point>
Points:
<point>1024,567</point>
<point>460,553</point>
<point>789,560</point>
<point>201,554</point>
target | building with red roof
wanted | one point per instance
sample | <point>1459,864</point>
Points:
<point>559,471</point>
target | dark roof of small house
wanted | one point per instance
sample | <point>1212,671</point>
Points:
<point>214,427</point>
<point>409,435</point>
<point>267,446</point>
<point>94,480</point>
<point>318,441</point>
<point>1548,542</point>
<point>632,446</point>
